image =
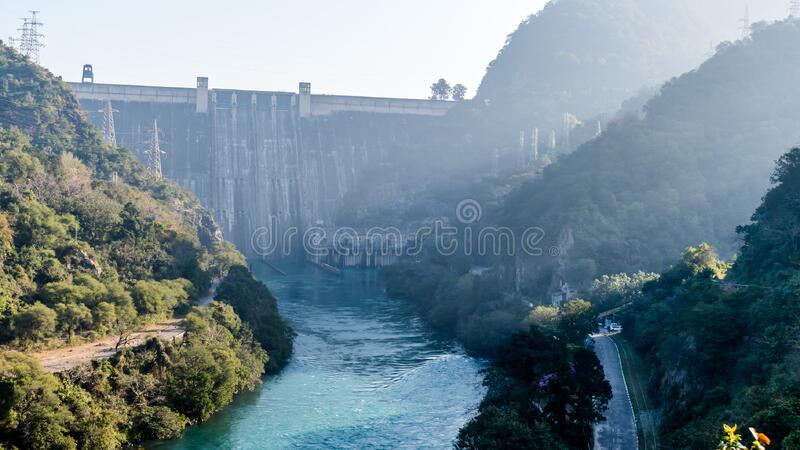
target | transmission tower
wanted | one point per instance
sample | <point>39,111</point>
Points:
<point>745,21</point>
<point>29,40</point>
<point>794,8</point>
<point>154,152</point>
<point>109,132</point>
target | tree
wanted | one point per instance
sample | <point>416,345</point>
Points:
<point>75,177</point>
<point>577,321</point>
<point>256,305</point>
<point>158,422</point>
<point>159,297</point>
<point>497,428</point>
<point>440,90</point>
<point>18,167</point>
<point>6,237</point>
<point>704,258</point>
<point>225,257</point>
<point>610,291</point>
<point>459,92</point>
<point>35,323</point>
<point>125,310</point>
<point>545,317</point>
<point>62,292</point>
<point>543,394</point>
<point>72,318</point>
<point>105,316</point>
<point>31,414</point>
<point>202,380</point>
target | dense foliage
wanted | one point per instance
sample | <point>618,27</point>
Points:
<point>255,304</point>
<point>545,389</point>
<point>91,244</point>
<point>149,393</point>
<point>619,290</point>
<point>722,344</point>
<point>476,308</point>
<point>630,200</point>
<point>689,171</point>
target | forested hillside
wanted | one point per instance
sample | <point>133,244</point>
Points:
<point>586,57</point>
<point>583,58</point>
<point>721,343</point>
<point>690,171</point>
<point>546,389</point>
<point>91,245</point>
<point>632,199</point>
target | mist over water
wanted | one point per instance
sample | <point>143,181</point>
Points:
<point>366,373</point>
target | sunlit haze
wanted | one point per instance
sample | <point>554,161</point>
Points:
<point>356,47</point>
<point>438,224</point>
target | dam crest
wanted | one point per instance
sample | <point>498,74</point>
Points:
<point>283,160</point>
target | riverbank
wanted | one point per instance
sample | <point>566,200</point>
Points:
<point>366,373</point>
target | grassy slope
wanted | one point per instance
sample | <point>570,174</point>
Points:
<point>635,373</point>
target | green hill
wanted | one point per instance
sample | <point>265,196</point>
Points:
<point>724,348</point>
<point>81,217</point>
<point>691,170</point>
<point>585,58</point>
<point>93,245</point>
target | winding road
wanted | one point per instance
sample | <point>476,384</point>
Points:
<point>618,432</point>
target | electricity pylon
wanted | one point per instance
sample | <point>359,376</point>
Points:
<point>29,41</point>
<point>154,152</point>
<point>109,132</point>
<point>745,27</point>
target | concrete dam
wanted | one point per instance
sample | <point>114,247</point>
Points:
<point>270,164</point>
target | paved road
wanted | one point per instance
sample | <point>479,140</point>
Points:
<point>618,432</point>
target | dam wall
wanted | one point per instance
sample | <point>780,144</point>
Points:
<point>270,164</point>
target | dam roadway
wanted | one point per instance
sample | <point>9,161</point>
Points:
<point>618,432</point>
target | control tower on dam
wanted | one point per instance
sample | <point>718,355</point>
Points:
<point>268,163</point>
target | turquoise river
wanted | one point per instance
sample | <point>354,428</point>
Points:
<point>366,374</point>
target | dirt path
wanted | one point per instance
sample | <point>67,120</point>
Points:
<point>65,358</point>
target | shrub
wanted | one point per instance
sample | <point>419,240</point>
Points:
<point>158,422</point>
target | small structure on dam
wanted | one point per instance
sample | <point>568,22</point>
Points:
<point>269,163</point>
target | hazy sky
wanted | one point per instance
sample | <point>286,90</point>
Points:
<point>360,47</point>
